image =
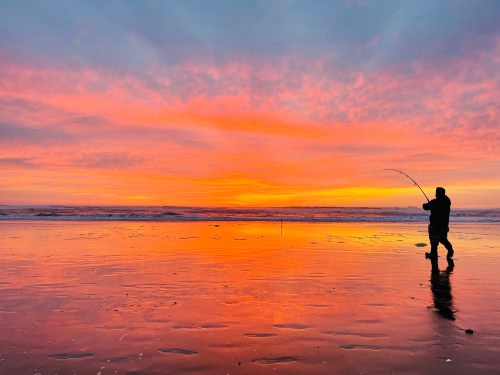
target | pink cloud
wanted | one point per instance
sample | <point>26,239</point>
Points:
<point>283,123</point>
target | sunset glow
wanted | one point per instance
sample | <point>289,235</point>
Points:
<point>249,103</point>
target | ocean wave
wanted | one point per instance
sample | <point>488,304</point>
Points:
<point>286,214</point>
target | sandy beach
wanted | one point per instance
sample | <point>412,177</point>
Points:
<point>246,298</point>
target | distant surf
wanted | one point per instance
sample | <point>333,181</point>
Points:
<point>287,214</point>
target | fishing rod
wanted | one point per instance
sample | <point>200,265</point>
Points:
<point>415,182</point>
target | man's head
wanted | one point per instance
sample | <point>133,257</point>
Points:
<point>440,192</point>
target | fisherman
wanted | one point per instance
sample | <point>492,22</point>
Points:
<point>438,223</point>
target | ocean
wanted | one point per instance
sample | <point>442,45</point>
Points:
<point>286,214</point>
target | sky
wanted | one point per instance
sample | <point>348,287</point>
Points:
<point>249,103</point>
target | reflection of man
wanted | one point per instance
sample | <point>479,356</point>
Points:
<point>441,289</point>
<point>438,222</point>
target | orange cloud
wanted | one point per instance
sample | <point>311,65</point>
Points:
<point>293,132</point>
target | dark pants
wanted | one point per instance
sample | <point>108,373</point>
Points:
<point>439,235</point>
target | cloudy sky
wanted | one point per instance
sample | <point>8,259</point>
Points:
<point>224,103</point>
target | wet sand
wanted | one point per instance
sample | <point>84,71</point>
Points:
<point>242,298</point>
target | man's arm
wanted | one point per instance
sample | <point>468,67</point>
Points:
<point>428,206</point>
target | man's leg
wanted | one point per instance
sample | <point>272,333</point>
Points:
<point>447,245</point>
<point>434,236</point>
<point>434,249</point>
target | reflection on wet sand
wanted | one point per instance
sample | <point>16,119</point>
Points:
<point>441,288</point>
<point>140,298</point>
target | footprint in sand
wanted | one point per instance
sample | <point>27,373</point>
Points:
<point>178,351</point>
<point>272,361</point>
<point>291,326</point>
<point>185,327</point>
<point>70,355</point>
<point>359,347</point>
<point>213,326</point>
<point>357,334</point>
<point>204,326</point>
<point>260,334</point>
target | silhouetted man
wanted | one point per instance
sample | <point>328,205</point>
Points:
<point>438,223</point>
